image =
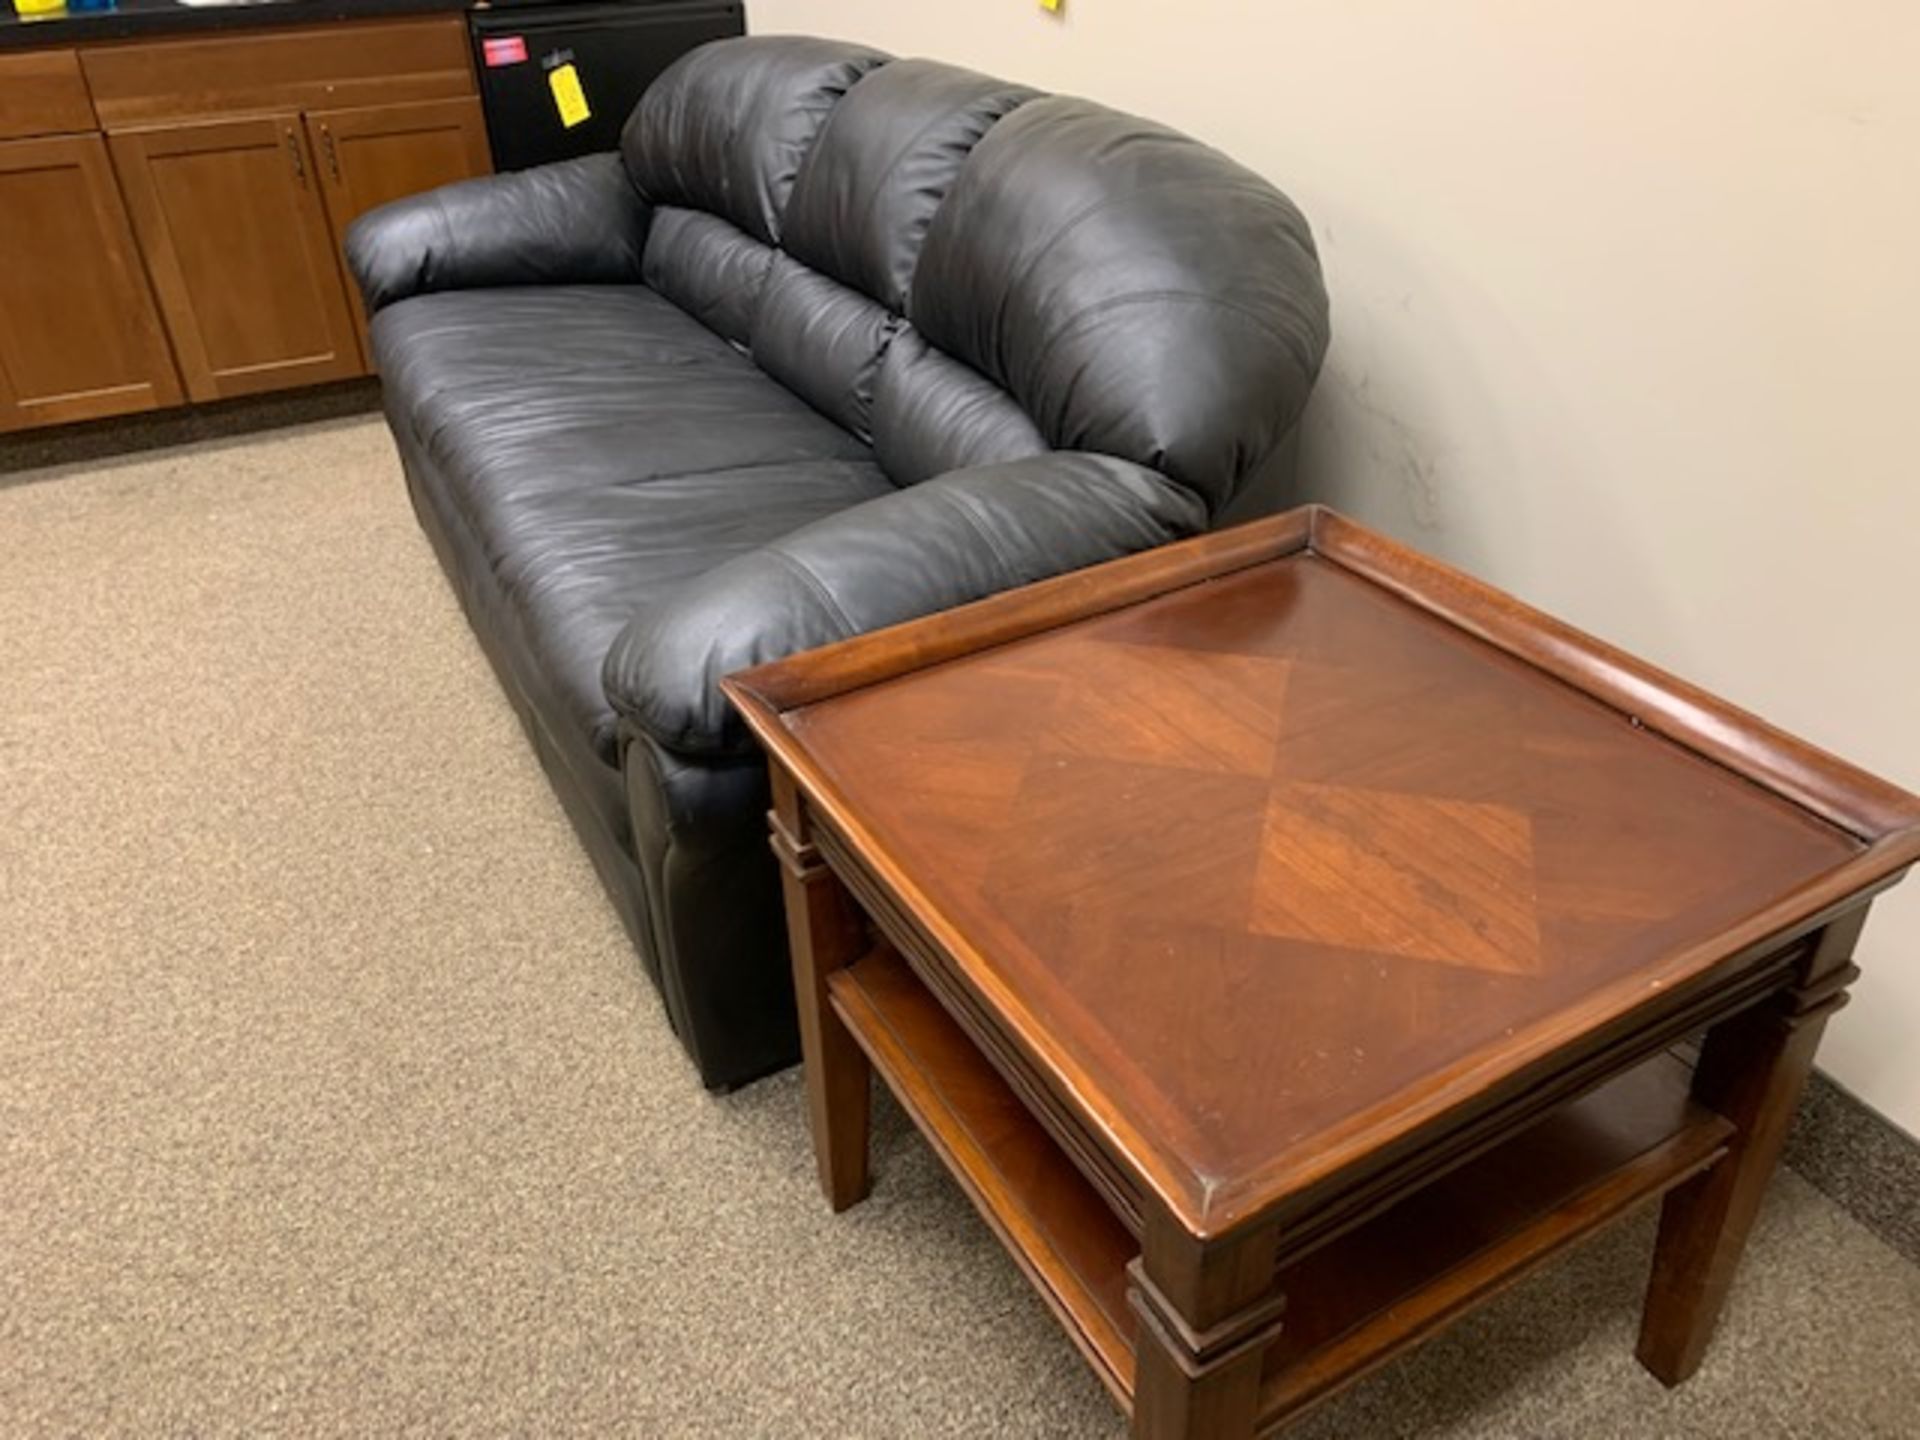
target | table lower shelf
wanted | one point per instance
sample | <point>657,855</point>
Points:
<point>1366,1294</point>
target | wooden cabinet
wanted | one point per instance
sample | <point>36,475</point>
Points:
<point>43,93</point>
<point>78,334</point>
<point>211,214</point>
<point>371,154</point>
<point>235,232</point>
<point>301,67</point>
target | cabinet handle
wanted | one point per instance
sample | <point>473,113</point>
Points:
<point>299,161</point>
<point>333,155</point>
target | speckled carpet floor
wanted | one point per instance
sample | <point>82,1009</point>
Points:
<point>332,1101</point>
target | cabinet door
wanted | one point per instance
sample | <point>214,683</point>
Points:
<point>78,334</point>
<point>375,153</point>
<point>235,234</point>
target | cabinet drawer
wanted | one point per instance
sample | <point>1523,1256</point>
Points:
<point>42,94</point>
<point>315,68</point>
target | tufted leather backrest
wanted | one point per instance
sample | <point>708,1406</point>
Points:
<point>963,271</point>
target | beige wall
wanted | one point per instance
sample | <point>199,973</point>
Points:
<point>1626,310</point>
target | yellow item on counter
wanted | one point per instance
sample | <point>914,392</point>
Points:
<point>30,9</point>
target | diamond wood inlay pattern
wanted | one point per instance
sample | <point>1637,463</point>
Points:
<point>1443,880</point>
<point>1263,852</point>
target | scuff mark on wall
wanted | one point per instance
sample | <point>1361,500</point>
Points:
<point>1391,448</point>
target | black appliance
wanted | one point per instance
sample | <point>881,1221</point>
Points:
<point>558,80</point>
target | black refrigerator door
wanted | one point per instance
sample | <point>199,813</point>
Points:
<point>615,51</point>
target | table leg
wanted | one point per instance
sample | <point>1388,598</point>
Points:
<point>826,932</point>
<point>1753,1068</point>
<point>1207,1315</point>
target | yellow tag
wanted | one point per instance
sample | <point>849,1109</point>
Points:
<point>1056,6</point>
<point>568,98</point>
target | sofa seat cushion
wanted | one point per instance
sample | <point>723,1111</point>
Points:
<point>603,449</point>
<point>519,390</point>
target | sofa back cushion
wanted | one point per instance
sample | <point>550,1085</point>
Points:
<point>962,271</point>
<point>726,128</point>
<point>715,145</point>
<point>883,166</point>
<point>1139,293</point>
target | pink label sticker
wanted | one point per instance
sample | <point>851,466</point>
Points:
<point>506,50</point>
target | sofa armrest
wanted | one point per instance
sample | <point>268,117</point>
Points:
<point>572,222</point>
<point>963,536</point>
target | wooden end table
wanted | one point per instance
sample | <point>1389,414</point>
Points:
<point>1284,939</point>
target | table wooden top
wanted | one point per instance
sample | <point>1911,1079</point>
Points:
<point>1272,848</point>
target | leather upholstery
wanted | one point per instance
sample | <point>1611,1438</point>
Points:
<point>963,536</point>
<point>833,342</point>
<point>644,451</point>
<point>823,342</point>
<point>931,414</point>
<point>884,163</point>
<point>1138,293</point>
<point>709,268</point>
<point>725,129</point>
<point>712,901</point>
<point>575,222</point>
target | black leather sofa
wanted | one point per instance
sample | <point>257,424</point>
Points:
<point>835,340</point>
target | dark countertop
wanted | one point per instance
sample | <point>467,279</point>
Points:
<point>131,19</point>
